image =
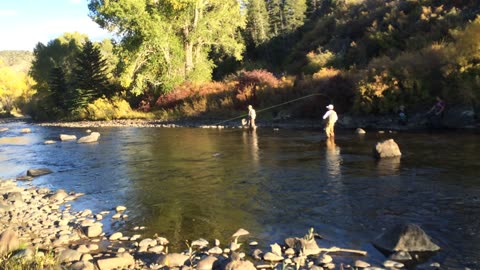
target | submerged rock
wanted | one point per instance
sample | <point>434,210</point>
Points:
<point>38,172</point>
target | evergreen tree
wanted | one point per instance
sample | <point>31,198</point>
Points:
<point>258,26</point>
<point>275,14</point>
<point>91,79</point>
<point>294,12</point>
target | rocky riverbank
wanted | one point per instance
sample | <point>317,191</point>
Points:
<point>39,224</point>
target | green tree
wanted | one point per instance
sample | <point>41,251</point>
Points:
<point>275,14</point>
<point>258,26</point>
<point>91,80</point>
<point>60,52</point>
<point>166,42</point>
<point>294,12</point>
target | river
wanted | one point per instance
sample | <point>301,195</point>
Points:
<point>187,183</point>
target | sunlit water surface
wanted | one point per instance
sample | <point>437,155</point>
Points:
<point>190,183</point>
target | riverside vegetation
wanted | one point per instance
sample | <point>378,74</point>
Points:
<point>177,59</point>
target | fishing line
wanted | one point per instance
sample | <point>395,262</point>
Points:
<point>274,106</point>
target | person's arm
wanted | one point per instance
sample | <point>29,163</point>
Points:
<point>326,115</point>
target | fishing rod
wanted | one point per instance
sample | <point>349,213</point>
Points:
<point>274,106</point>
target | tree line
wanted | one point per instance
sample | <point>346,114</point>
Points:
<point>366,52</point>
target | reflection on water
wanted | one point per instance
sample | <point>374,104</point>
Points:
<point>15,140</point>
<point>388,166</point>
<point>332,157</point>
<point>190,183</point>
<point>250,140</point>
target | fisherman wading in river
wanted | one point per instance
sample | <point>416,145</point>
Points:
<point>330,118</point>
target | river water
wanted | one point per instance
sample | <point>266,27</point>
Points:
<point>187,183</point>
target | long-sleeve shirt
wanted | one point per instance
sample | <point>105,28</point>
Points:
<point>331,115</point>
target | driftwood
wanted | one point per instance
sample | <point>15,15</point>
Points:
<point>308,246</point>
<point>337,249</point>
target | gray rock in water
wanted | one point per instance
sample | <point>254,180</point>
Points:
<point>360,131</point>
<point>406,237</point>
<point>66,137</point>
<point>8,241</point>
<point>385,149</point>
<point>38,172</point>
<point>93,137</point>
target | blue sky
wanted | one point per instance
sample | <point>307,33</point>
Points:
<point>24,23</point>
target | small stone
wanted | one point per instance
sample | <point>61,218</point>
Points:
<point>93,247</point>
<point>272,257</point>
<point>83,249</point>
<point>115,236</point>
<point>329,266</point>
<point>135,237</point>
<point>156,249</point>
<point>66,137</point>
<point>147,242</point>
<point>394,264</point>
<point>324,259</point>
<point>26,130</point>
<point>49,142</point>
<point>361,264</point>
<point>215,250</point>
<point>116,216</point>
<point>290,252</point>
<point>120,208</point>
<point>360,131</point>
<point>253,243</point>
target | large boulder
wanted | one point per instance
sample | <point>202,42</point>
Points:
<point>38,172</point>
<point>93,137</point>
<point>387,148</point>
<point>405,237</point>
<point>8,241</point>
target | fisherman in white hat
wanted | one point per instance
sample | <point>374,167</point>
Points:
<point>251,117</point>
<point>331,117</point>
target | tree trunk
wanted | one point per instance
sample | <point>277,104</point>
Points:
<point>188,58</point>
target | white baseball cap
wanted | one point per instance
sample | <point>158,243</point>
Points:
<point>330,107</point>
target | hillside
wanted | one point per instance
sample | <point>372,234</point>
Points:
<point>17,60</point>
<point>353,33</point>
